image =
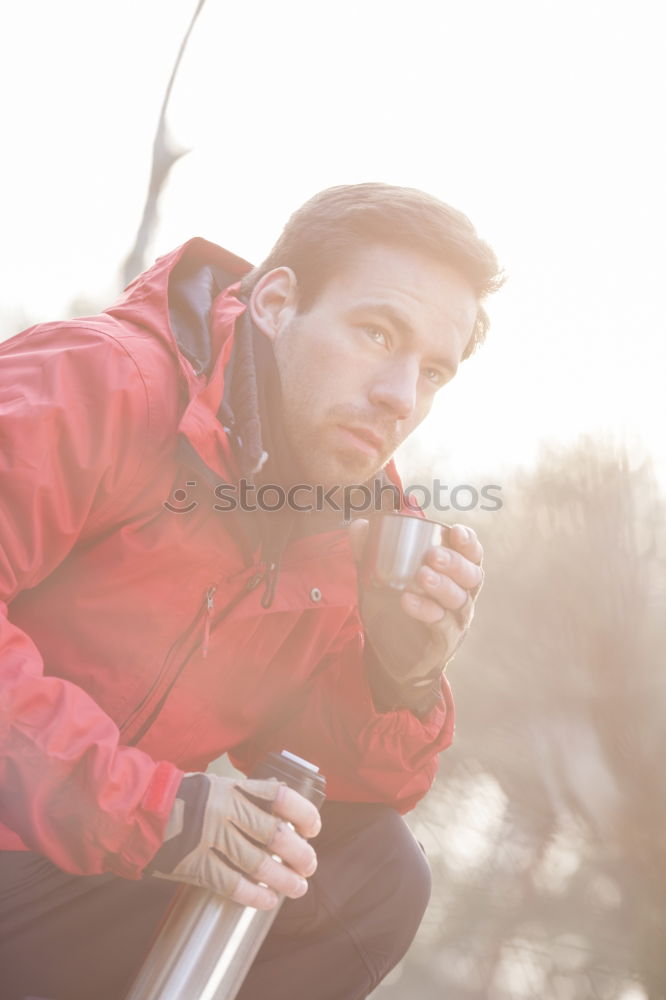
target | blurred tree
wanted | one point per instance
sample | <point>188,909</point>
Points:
<point>545,827</point>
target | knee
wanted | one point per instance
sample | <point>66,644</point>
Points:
<point>369,892</point>
<point>405,872</point>
<point>397,892</point>
<point>375,848</point>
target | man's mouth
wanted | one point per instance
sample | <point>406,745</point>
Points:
<point>363,439</point>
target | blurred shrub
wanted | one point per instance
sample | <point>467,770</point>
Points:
<point>545,827</point>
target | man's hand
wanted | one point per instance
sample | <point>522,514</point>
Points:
<point>446,588</point>
<point>405,658</point>
<point>226,823</point>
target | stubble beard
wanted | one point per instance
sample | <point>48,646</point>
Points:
<point>319,459</point>
<point>320,464</point>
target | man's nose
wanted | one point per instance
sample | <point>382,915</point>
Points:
<point>394,389</point>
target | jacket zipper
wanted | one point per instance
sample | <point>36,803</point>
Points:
<point>173,650</point>
<point>161,681</point>
<point>210,594</point>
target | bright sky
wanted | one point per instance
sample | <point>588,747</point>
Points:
<point>542,120</point>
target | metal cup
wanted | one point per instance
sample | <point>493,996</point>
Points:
<point>395,548</point>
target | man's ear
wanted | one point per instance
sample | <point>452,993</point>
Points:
<point>273,302</point>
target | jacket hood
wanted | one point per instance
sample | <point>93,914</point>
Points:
<point>174,299</point>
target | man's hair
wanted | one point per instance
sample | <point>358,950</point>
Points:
<point>322,235</point>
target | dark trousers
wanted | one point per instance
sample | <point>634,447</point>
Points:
<point>69,937</point>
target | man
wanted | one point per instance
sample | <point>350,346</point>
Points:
<point>155,621</point>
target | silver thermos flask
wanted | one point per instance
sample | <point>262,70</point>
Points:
<point>206,943</point>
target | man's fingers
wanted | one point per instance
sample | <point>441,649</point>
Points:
<point>278,879</point>
<point>441,589</point>
<point>442,564</point>
<point>248,894</point>
<point>258,864</point>
<point>465,541</point>
<point>293,850</point>
<point>281,878</point>
<point>432,610</point>
<point>277,831</point>
<point>283,802</point>
<point>296,809</point>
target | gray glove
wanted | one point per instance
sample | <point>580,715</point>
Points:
<point>404,664</point>
<point>228,835</point>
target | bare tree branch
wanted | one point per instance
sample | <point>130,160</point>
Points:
<point>164,156</point>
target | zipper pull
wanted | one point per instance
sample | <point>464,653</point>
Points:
<point>272,574</point>
<point>210,593</point>
<point>253,582</point>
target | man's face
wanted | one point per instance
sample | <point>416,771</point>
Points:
<point>361,367</point>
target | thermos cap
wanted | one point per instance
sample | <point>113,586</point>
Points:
<point>299,774</point>
<point>299,760</point>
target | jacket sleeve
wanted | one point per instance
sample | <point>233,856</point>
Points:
<point>75,423</point>
<point>365,755</point>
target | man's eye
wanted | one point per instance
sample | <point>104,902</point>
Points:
<point>375,333</point>
<point>435,376</point>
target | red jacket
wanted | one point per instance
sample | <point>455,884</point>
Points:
<point>108,693</point>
